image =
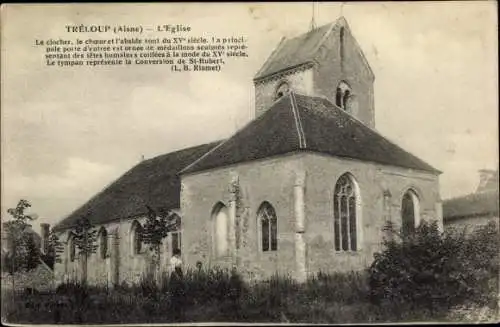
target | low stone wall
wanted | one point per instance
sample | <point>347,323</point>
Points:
<point>41,278</point>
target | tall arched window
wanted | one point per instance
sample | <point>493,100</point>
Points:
<point>136,237</point>
<point>103,243</point>
<point>71,248</point>
<point>410,212</point>
<point>268,223</point>
<point>345,214</point>
<point>220,216</point>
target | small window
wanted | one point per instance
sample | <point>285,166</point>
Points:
<point>103,243</point>
<point>345,99</point>
<point>341,43</point>
<point>282,89</point>
<point>338,97</point>
<point>176,241</point>
<point>136,236</point>
<point>342,95</point>
<point>268,227</point>
<point>72,249</point>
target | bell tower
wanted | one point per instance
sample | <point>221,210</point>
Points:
<point>326,61</point>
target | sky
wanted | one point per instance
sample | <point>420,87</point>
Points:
<point>69,132</point>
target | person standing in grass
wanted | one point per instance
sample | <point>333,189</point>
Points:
<point>177,285</point>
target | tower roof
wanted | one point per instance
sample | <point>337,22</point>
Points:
<point>299,50</point>
<point>304,123</point>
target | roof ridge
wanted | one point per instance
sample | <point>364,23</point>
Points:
<point>204,155</point>
<point>298,122</point>
<point>177,151</point>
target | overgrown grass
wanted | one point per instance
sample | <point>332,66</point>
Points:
<point>217,295</point>
<point>211,295</point>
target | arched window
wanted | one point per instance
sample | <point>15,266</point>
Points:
<point>338,97</point>
<point>103,243</point>
<point>341,43</point>
<point>136,237</point>
<point>268,227</point>
<point>282,89</point>
<point>220,216</point>
<point>176,234</point>
<point>345,214</point>
<point>71,248</point>
<point>342,95</point>
<point>410,212</point>
<point>345,99</point>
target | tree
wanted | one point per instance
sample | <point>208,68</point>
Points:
<point>85,240</point>
<point>23,254</point>
<point>54,250</point>
<point>31,253</point>
<point>156,228</point>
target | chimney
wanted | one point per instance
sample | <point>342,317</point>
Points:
<point>45,237</point>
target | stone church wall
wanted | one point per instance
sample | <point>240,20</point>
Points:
<point>268,180</point>
<point>299,80</point>
<point>329,72</point>
<point>121,263</point>
<point>273,180</point>
<point>374,181</point>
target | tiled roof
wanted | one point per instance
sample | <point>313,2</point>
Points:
<point>471,205</point>
<point>294,52</point>
<point>154,182</point>
<point>297,123</point>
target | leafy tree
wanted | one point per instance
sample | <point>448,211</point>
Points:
<point>436,271</point>
<point>31,253</point>
<point>54,250</point>
<point>85,240</point>
<point>23,254</point>
<point>158,225</point>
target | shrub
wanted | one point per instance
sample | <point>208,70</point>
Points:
<point>433,270</point>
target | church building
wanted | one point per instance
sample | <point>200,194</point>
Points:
<point>306,186</point>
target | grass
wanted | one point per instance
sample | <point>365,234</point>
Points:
<point>212,296</point>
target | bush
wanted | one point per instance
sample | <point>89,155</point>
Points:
<point>435,271</point>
